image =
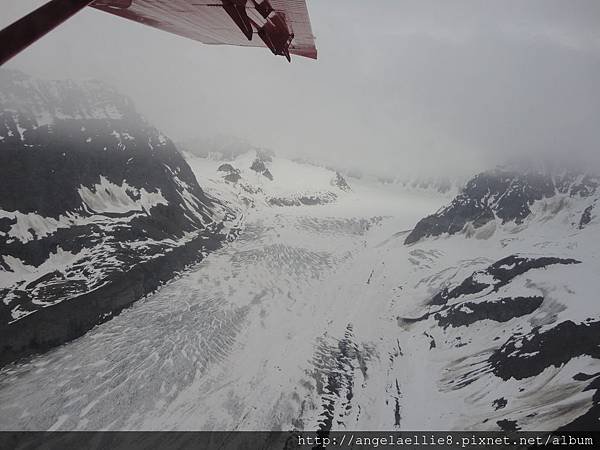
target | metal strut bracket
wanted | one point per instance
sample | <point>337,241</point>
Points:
<point>276,35</point>
<point>274,31</point>
<point>237,11</point>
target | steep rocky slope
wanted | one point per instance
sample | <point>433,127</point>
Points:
<point>506,196</point>
<point>97,209</point>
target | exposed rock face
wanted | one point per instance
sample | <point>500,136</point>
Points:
<point>503,195</point>
<point>496,276</point>
<point>307,200</point>
<point>259,167</point>
<point>231,173</point>
<point>95,204</point>
<point>340,182</point>
<point>226,168</point>
<point>501,310</point>
<point>586,217</point>
<point>526,356</point>
<point>232,177</point>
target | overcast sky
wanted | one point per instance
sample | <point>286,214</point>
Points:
<point>399,86</point>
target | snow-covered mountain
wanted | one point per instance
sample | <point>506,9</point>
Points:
<point>511,197</point>
<point>97,209</point>
<point>259,178</point>
<point>506,297</point>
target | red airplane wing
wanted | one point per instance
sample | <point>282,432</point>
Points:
<point>283,26</point>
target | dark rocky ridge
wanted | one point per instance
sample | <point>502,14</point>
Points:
<point>505,195</point>
<point>92,191</point>
<point>226,168</point>
<point>231,173</point>
<point>501,310</point>
<point>340,182</point>
<point>502,272</point>
<point>259,167</point>
<point>526,356</point>
<point>586,217</point>
<point>306,200</point>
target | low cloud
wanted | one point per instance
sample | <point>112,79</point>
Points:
<point>400,86</point>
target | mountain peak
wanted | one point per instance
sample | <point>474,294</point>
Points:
<point>508,195</point>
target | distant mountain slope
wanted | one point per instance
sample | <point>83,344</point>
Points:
<point>97,208</point>
<point>260,178</point>
<point>444,185</point>
<point>507,196</point>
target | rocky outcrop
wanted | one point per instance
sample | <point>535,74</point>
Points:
<point>496,276</point>
<point>502,195</point>
<point>586,217</point>
<point>340,183</point>
<point>231,173</point>
<point>526,356</point>
<point>306,200</point>
<point>259,167</point>
<point>501,310</point>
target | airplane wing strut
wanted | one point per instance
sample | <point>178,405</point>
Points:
<point>282,26</point>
